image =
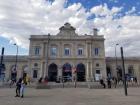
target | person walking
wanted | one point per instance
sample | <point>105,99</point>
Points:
<point>109,82</point>
<point>18,86</point>
<point>115,82</point>
<point>23,84</point>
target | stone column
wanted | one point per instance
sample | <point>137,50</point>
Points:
<point>86,52</point>
<point>87,72</point>
<point>30,68</point>
<point>44,74</point>
<point>103,69</point>
<point>8,71</point>
<point>59,72</point>
<point>42,69</point>
<point>91,71</point>
<point>47,59</point>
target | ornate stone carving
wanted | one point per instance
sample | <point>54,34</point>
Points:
<point>67,30</point>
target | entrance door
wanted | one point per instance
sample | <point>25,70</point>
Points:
<point>80,72</point>
<point>52,72</point>
<point>67,71</point>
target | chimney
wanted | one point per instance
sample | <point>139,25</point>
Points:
<point>95,31</point>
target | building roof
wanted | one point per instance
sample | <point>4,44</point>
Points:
<point>67,32</point>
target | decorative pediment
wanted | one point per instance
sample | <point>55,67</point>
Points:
<point>67,30</point>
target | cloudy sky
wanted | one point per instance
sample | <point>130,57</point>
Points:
<point>117,20</point>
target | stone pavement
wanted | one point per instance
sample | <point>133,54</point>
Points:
<point>71,96</point>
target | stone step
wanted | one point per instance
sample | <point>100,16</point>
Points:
<point>49,85</point>
<point>90,85</point>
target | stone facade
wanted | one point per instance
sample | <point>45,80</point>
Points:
<point>61,55</point>
<point>132,66</point>
<point>22,65</point>
<point>70,49</point>
<point>110,64</point>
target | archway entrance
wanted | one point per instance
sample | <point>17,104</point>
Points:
<point>52,72</point>
<point>80,72</point>
<point>67,71</point>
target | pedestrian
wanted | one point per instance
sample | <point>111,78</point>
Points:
<point>109,82</point>
<point>102,83</point>
<point>18,86</point>
<point>40,80</point>
<point>23,84</point>
<point>135,80</point>
<point>115,82</point>
<point>46,79</point>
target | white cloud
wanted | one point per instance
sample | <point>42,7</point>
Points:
<point>21,18</point>
<point>133,9</point>
<point>115,1</point>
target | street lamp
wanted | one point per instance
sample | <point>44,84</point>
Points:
<point>124,77</point>
<point>47,60</point>
<point>116,58</point>
<point>15,69</point>
<point>2,65</point>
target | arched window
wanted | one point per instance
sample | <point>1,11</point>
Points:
<point>67,70</point>
<point>52,72</point>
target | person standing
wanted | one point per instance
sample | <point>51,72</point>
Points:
<point>18,86</point>
<point>102,83</point>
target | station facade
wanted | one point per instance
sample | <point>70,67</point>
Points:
<point>68,54</point>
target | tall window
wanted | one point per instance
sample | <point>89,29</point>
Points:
<point>53,51</point>
<point>80,51</point>
<point>98,72</point>
<point>131,70</point>
<point>96,51</point>
<point>67,51</point>
<point>37,50</point>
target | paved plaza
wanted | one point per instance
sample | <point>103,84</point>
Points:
<point>71,96</point>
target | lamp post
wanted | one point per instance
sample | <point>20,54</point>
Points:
<point>124,77</point>
<point>15,69</point>
<point>47,60</point>
<point>2,65</point>
<point>116,59</point>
